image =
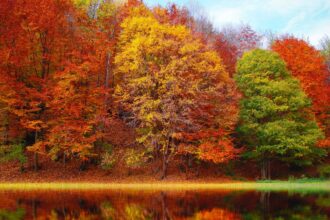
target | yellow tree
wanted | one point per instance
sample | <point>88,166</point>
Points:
<point>167,81</point>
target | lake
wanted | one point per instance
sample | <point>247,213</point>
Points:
<point>138,205</point>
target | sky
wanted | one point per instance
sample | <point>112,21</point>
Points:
<point>308,19</point>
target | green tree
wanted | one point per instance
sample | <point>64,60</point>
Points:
<point>275,118</point>
<point>14,152</point>
<point>18,214</point>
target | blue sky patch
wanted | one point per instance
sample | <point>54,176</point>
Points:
<point>308,19</point>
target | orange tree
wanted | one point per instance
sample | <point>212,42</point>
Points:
<point>53,77</point>
<point>31,38</point>
<point>308,65</point>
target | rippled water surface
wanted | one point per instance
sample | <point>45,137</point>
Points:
<point>138,205</point>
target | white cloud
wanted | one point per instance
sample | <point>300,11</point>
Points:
<point>286,7</point>
<point>299,17</point>
<point>294,21</point>
<point>223,16</point>
<point>318,31</point>
<point>308,18</point>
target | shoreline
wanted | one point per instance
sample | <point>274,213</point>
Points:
<point>168,186</point>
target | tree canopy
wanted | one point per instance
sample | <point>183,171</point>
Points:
<point>118,84</point>
<point>275,115</point>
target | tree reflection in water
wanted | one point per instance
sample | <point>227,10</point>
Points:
<point>138,205</point>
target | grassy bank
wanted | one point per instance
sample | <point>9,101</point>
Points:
<point>314,186</point>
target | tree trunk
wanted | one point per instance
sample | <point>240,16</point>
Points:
<point>92,11</point>
<point>98,79</point>
<point>6,131</point>
<point>263,170</point>
<point>265,204</point>
<point>107,78</point>
<point>35,163</point>
<point>187,165</point>
<point>165,159</point>
<point>64,159</point>
<point>165,162</point>
<point>198,170</point>
<point>165,214</point>
<point>268,168</point>
<point>21,167</point>
<point>64,212</point>
<point>107,71</point>
<point>34,209</point>
<point>36,159</point>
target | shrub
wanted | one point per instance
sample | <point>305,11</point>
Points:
<point>135,158</point>
<point>12,152</point>
<point>108,161</point>
<point>324,171</point>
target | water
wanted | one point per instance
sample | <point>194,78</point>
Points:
<point>138,205</point>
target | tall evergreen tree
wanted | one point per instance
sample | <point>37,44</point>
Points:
<point>276,121</point>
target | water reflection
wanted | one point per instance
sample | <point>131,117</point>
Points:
<point>90,205</point>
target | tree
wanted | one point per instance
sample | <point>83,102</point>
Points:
<point>13,152</point>
<point>79,92</point>
<point>193,18</point>
<point>216,213</point>
<point>77,110</point>
<point>243,37</point>
<point>275,117</point>
<point>52,56</point>
<point>230,43</point>
<point>227,51</point>
<point>174,15</point>
<point>162,75</point>
<point>308,65</point>
<point>32,34</point>
<point>325,50</point>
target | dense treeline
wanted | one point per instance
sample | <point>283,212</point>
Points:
<point>188,90</point>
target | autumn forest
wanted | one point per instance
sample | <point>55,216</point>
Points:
<point>117,88</point>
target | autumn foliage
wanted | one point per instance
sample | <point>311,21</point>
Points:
<point>71,70</point>
<point>51,64</point>
<point>174,87</point>
<point>308,65</point>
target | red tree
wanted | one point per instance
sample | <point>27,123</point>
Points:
<point>53,64</point>
<point>228,52</point>
<point>308,65</point>
<point>32,35</point>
